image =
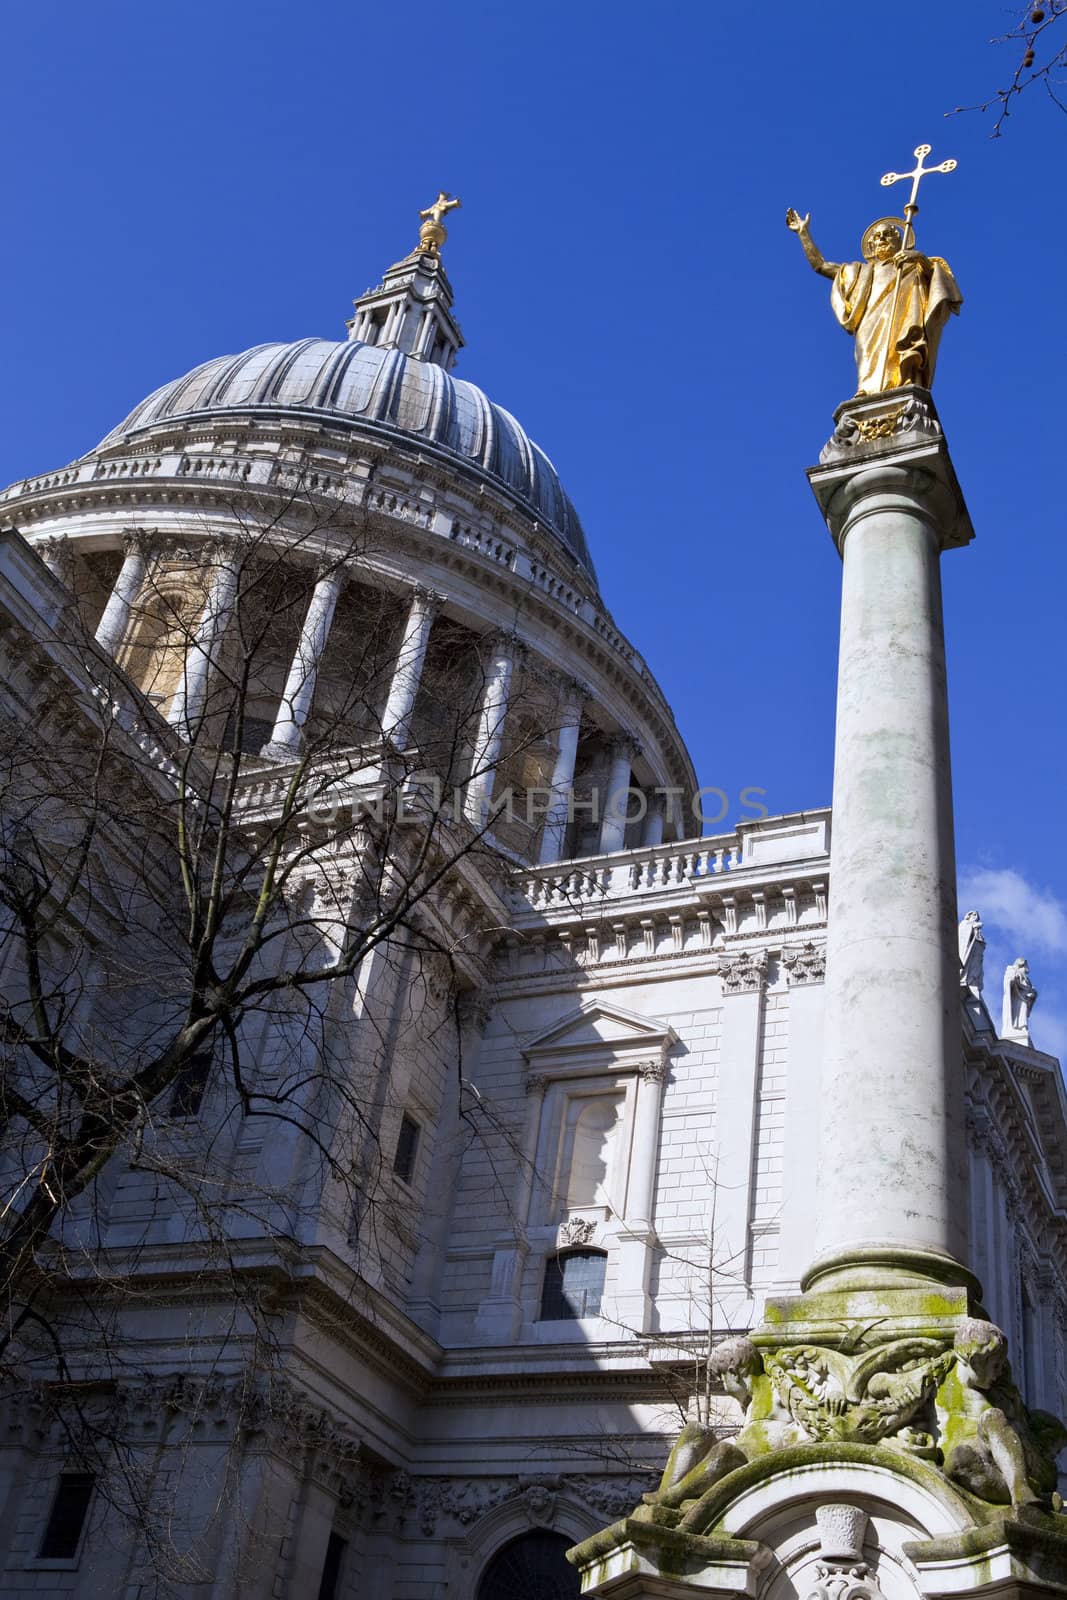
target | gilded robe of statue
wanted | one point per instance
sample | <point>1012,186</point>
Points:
<point>905,336</point>
<point>894,302</point>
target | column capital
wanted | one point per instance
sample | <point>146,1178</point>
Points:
<point>744,973</point>
<point>139,541</point>
<point>653,1071</point>
<point>428,600</point>
<point>504,642</point>
<point>571,691</point>
<point>624,744</point>
<point>54,551</point>
<point>219,552</point>
<point>804,963</point>
<point>327,565</point>
<point>473,1010</point>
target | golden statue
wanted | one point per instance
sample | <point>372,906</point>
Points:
<point>896,301</point>
<point>433,232</point>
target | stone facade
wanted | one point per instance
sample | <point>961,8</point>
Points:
<point>612,1053</point>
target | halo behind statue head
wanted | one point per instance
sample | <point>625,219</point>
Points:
<point>897,222</point>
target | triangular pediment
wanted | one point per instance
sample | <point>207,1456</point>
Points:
<point>599,1025</point>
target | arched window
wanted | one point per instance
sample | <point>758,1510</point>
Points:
<point>574,1285</point>
<point>532,1567</point>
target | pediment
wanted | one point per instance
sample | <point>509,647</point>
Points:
<point>598,1026</point>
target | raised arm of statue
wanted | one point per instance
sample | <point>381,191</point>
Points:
<point>816,259</point>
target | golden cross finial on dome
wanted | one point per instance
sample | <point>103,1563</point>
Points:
<point>433,232</point>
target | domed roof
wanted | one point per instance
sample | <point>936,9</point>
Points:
<point>385,390</point>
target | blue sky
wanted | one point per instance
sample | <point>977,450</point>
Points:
<point>183,183</point>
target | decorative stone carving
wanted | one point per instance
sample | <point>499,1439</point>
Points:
<point>881,423</point>
<point>994,1446</point>
<point>577,1231</point>
<point>862,1400</point>
<point>842,1574</point>
<point>841,1531</point>
<point>804,964</point>
<point>972,954</point>
<point>473,1010</point>
<point>652,1071</point>
<point>856,1582</point>
<point>1020,997</point>
<point>744,973</point>
<point>953,1406</point>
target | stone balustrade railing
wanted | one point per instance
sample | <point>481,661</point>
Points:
<point>652,870</point>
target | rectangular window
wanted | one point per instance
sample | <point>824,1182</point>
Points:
<point>63,1531</point>
<point>190,1084</point>
<point>573,1286</point>
<point>331,1567</point>
<point>406,1149</point>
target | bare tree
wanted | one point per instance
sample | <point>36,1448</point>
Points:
<point>1039,47</point>
<point>198,940</point>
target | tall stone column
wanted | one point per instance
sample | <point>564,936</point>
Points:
<point>624,752</point>
<point>557,817</point>
<point>494,709</point>
<point>111,630</point>
<point>287,734</point>
<point>202,649</point>
<point>407,674</point>
<point>892,1074</point>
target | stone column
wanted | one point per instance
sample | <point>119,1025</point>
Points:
<point>655,818</point>
<point>635,1241</point>
<point>202,650</point>
<point>58,557</point>
<point>570,716</point>
<point>891,1087</point>
<point>624,752</point>
<point>111,630</point>
<point>498,672</point>
<point>396,718</point>
<point>287,733</point>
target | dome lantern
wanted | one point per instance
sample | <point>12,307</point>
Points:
<point>411,309</point>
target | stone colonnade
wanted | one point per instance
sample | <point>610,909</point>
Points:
<point>202,654</point>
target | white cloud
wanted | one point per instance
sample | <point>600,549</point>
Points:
<point>1035,919</point>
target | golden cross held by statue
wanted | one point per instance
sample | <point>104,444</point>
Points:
<point>916,175</point>
<point>433,232</point>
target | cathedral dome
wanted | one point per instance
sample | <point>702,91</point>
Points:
<point>382,390</point>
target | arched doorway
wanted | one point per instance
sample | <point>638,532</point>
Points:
<point>531,1567</point>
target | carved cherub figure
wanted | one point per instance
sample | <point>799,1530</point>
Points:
<point>993,1445</point>
<point>699,1457</point>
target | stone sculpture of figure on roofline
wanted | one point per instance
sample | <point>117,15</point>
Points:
<point>1020,997</point>
<point>896,301</point>
<point>972,954</point>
